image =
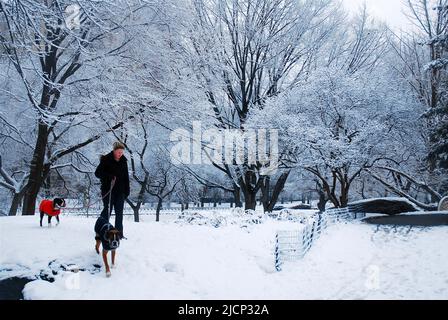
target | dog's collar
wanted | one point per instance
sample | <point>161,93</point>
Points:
<point>113,244</point>
<point>106,226</point>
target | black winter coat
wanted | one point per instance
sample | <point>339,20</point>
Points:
<point>109,168</point>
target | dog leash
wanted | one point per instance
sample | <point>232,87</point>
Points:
<point>112,183</point>
<point>109,193</point>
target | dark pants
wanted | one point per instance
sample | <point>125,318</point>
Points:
<point>117,204</point>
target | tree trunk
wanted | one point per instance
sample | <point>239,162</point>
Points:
<point>237,196</point>
<point>265,187</point>
<point>140,198</point>
<point>249,185</point>
<point>17,198</point>
<point>343,199</point>
<point>321,205</point>
<point>432,165</point>
<point>269,201</point>
<point>331,190</point>
<point>159,207</point>
<point>250,200</point>
<point>36,171</point>
<point>136,210</point>
<point>279,186</point>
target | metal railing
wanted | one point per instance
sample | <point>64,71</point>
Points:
<point>143,211</point>
<point>294,245</point>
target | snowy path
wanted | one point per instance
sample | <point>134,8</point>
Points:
<point>169,261</point>
<point>355,262</point>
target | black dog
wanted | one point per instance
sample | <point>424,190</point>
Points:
<point>52,208</point>
<point>109,237</point>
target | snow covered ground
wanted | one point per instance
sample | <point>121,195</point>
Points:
<point>168,260</point>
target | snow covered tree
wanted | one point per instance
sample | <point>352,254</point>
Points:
<point>15,186</point>
<point>359,45</point>
<point>249,50</point>
<point>336,125</point>
<point>439,114</point>
<point>423,60</point>
<point>165,178</point>
<point>187,192</point>
<point>49,43</point>
<point>85,74</point>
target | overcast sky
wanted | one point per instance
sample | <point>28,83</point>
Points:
<point>390,11</point>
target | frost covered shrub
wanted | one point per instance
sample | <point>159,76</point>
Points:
<point>217,219</point>
<point>238,211</point>
<point>191,218</point>
<point>196,218</point>
<point>240,217</point>
<point>253,217</point>
<point>285,214</point>
<point>291,215</point>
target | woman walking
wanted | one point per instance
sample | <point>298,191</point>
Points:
<point>113,172</point>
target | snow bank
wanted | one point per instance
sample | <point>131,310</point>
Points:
<point>169,260</point>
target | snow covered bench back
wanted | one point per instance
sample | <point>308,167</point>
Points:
<point>443,205</point>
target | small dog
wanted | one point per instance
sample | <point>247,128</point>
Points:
<point>52,208</point>
<point>109,237</point>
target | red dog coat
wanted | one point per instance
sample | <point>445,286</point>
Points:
<point>46,206</point>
